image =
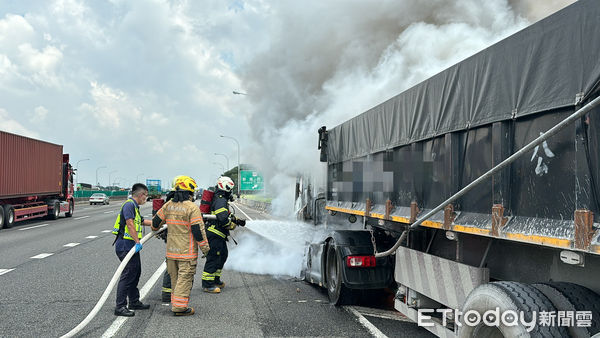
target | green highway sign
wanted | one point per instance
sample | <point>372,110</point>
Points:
<point>251,180</point>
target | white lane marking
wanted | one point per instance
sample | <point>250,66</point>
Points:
<point>242,211</point>
<point>3,271</point>
<point>109,212</point>
<point>82,217</point>
<point>91,237</point>
<point>42,255</point>
<point>70,245</point>
<point>106,230</point>
<point>116,325</point>
<point>366,323</point>
<point>85,208</point>
<point>33,227</point>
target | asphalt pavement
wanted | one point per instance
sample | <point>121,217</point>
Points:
<point>53,272</point>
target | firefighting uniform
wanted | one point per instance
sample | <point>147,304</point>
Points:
<point>182,248</point>
<point>217,231</point>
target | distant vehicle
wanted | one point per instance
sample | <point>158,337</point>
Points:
<point>99,199</point>
<point>36,180</point>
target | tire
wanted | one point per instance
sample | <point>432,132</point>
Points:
<point>91,203</point>
<point>55,211</point>
<point>1,216</point>
<point>505,296</point>
<point>71,209</point>
<point>9,216</point>
<point>336,291</point>
<point>573,297</point>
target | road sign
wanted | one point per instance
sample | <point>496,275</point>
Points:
<point>251,180</point>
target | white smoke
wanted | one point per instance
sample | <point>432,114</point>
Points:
<point>332,60</point>
<point>270,247</point>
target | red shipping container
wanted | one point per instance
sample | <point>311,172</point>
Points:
<point>29,167</point>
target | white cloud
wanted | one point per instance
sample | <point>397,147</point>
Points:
<point>12,126</point>
<point>13,30</point>
<point>39,114</point>
<point>110,106</point>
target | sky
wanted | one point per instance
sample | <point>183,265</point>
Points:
<point>137,89</point>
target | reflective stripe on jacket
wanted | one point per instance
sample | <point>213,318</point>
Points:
<point>180,216</point>
<point>137,221</point>
<point>220,208</point>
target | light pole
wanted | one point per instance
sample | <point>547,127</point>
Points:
<point>136,178</point>
<point>98,183</point>
<point>109,175</point>
<point>77,174</point>
<point>221,165</point>
<point>238,154</point>
<point>227,158</point>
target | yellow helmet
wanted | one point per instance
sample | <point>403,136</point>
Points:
<point>174,183</point>
<point>184,183</point>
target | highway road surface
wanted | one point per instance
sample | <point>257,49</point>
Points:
<point>52,273</point>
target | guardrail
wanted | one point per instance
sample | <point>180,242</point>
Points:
<point>257,205</point>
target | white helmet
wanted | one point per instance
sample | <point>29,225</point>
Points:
<point>225,183</point>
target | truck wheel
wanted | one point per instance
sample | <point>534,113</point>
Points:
<point>55,211</point>
<point>71,209</point>
<point>573,297</point>
<point>505,296</point>
<point>336,291</point>
<point>1,217</point>
<point>9,216</point>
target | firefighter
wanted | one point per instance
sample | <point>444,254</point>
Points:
<point>166,283</point>
<point>217,231</point>
<point>186,234</point>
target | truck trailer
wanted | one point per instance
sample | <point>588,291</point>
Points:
<point>476,191</point>
<point>36,180</point>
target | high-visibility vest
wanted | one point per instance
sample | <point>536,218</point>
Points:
<point>137,221</point>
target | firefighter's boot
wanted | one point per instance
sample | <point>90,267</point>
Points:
<point>212,289</point>
<point>188,312</point>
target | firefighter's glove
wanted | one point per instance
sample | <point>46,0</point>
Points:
<point>205,248</point>
<point>231,226</point>
<point>241,222</point>
<point>138,247</point>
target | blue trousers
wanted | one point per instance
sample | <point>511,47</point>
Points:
<point>127,287</point>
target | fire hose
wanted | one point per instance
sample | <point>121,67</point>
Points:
<point>114,280</point>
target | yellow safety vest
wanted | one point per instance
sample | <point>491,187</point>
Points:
<point>137,221</point>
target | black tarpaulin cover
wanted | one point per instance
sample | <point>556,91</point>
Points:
<point>551,64</point>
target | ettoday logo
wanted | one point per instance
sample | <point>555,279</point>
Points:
<point>496,317</point>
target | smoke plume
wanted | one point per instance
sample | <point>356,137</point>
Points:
<point>333,60</point>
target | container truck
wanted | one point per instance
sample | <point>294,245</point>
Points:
<point>476,191</point>
<point>36,180</point>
